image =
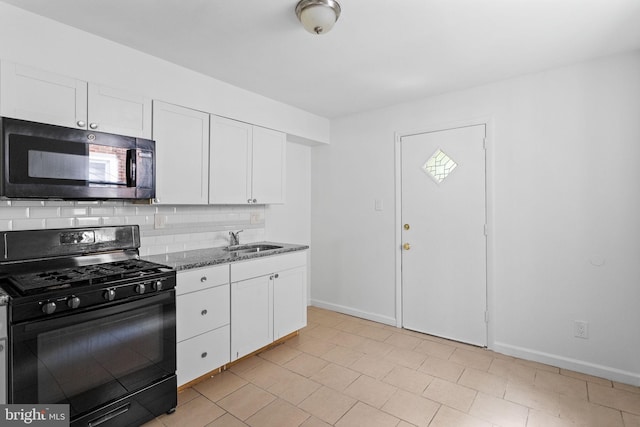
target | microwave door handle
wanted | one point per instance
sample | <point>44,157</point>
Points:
<point>131,168</point>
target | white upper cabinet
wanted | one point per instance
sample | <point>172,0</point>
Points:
<point>230,161</point>
<point>32,94</point>
<point>247,163</point>
<point>182,154</point>
<point>39,96</point>
<point>117,111</point>
<point>269,166</point>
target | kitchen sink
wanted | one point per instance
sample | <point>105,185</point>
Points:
<point>246,249</point>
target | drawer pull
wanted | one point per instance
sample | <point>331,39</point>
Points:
<point>203,355</point>
<point>203,312</point>
<point>203,279</point>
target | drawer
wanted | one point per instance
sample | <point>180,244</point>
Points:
<point>201,278</point>
<point>267,265</point>
<point>202,311</point>
<point>201,354</point>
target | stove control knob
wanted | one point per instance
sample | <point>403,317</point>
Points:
<point>141,288</point>
<point>109,294</point>
<point>73,302</point>
<point>158,285</point>
<point>49,307</point>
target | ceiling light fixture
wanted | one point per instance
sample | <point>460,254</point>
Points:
<point>318,16</point>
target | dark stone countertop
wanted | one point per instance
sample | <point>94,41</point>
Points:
<point>213,256</point>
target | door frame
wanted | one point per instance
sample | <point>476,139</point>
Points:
<point>489,201</point>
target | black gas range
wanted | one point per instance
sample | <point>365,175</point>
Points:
<point>91,324</point>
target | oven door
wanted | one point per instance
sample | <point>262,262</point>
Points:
<point>95,358</point>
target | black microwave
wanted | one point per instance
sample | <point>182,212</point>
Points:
<point>44,161</point>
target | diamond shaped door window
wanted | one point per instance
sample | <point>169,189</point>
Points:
<point>439,166</point>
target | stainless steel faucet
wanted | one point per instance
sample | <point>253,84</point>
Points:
<point>234,238</point>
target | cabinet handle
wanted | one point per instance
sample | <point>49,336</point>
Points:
<point>203,355</point>
<point>203,313</point>
<point>203,279</point>
<point>81,123</point>
<point>248,200</point>
<point>271,277</point>
<point>277,275</point>
<point>93,125</point>
<point>254,201</point>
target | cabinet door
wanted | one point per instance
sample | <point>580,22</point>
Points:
<point>229,161</point>
<point>269,166</point>
<point>31,94</point>
<point>182,154</point>
<point>117,111</point>
<point>251,315</point>
<point>289,302</point>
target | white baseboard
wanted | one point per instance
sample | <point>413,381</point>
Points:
<point>577,365</point>
<point>353,312</point>
<point>588,368</point>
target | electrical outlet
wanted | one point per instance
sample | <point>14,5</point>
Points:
<point>256,218</point>
<point>581,329</point>
<point>159,221</point>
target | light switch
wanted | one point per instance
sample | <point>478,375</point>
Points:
<point>379,204</point>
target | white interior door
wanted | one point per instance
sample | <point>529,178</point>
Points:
<point>443,235</point>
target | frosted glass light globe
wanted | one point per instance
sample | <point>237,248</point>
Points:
<point>318,19</point>
<point>318,16</point>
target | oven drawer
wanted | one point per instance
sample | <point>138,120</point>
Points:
<point>201,278</point>
<point>202,354</point>
<point>199,312</point>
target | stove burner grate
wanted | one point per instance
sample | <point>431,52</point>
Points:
<point>35,282</point>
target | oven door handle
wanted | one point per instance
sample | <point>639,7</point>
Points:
<point>110,415</point>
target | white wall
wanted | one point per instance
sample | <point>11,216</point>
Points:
<point>565,230</point>
<point>290,222</point>
<point>30,39</point>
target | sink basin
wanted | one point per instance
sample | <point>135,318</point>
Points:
<point>246,249</point>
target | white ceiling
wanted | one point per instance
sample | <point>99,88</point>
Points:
<point>379,53</point>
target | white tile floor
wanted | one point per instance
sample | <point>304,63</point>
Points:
<point>343,371</point>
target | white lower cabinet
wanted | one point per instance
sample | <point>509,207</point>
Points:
<point>202,321</point>
<point>268,300</point>
<point>289,301</point>
<point>251,315</point>
<point>218,321</point>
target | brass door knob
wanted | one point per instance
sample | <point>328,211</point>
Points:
<point>406,246</point>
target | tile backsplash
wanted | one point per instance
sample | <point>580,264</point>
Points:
<point>163,228</point>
